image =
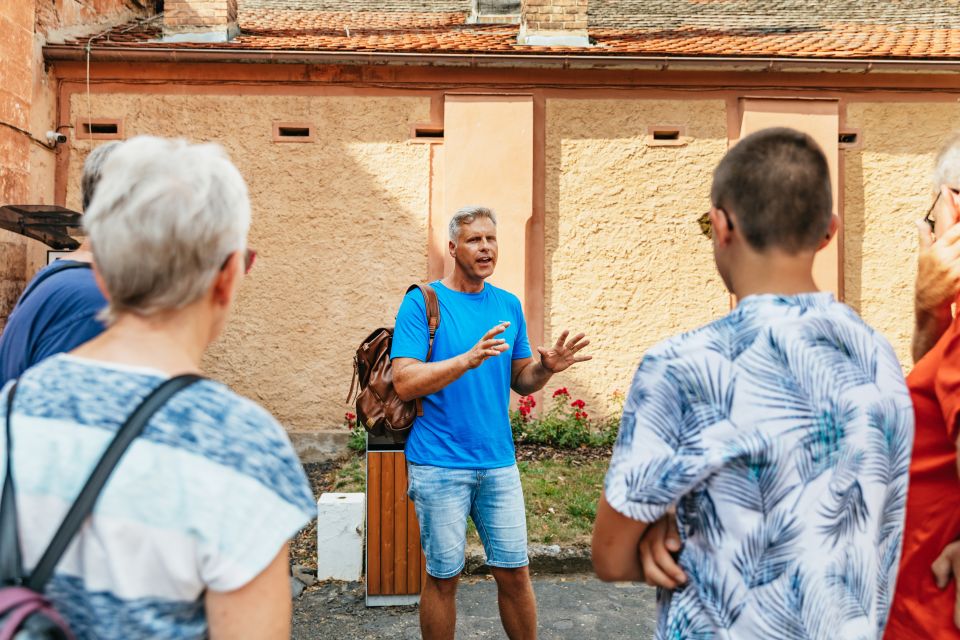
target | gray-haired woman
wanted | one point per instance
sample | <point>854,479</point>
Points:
<point>189,537</point>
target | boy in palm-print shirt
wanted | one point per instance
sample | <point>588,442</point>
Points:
<point>780,433</point>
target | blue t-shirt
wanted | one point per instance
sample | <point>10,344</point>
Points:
<point>465,425</point>
<point>56,315</point>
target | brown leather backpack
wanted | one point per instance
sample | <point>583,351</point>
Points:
<point>379,409</point>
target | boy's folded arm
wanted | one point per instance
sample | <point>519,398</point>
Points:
<point>614,549</point>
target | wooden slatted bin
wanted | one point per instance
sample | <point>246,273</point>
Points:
<point>395,562</point>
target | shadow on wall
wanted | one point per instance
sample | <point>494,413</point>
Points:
<point>887,189</point>
<point>340,226</point>
<point>854,224</point>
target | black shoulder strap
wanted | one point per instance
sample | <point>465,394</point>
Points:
<point>98,478</point>
<point>57,268</point>
<point>11,570</point>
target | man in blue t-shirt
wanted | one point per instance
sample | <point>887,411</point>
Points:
<point>57,311</point>
<point>460,451</point>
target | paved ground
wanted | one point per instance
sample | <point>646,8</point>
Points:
<point>571,606</point>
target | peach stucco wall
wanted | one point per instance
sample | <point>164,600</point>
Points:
<point>488,140</point>
<point>625,260</point>
<point>340,225</point>
<point>887,187</point>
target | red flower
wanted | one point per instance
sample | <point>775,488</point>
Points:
<point>349,416</point>
<point>528,401</point>
<point>580,415</point>
<point>579,404</point>
<point>562,391</point>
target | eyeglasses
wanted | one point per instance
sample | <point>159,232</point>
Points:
<point>706,228</point>
<point>929,219</point>
<point>249,257</point>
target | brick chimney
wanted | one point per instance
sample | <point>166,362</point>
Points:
<point>199,20</point>
<point>554,23</point>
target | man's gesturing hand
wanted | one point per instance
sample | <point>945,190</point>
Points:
<point>947,564</point>
<point>488,347</point>
<point>563,354</point>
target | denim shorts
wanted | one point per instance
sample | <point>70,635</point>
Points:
<point>445,497</point>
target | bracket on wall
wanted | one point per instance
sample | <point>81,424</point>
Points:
<point>52,225</point>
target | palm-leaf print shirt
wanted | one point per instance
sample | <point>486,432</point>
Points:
<point>782,434</point>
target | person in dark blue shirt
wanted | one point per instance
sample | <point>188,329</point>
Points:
<point>58,309</point>
<point>460,451</point>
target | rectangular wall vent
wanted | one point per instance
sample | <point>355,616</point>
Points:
<point>99,129</point>
<point>667,135</point>
<point>849,139</point>
<point>293,132</point>
<point>428,132</point>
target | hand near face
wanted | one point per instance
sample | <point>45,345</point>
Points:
<point>938,268</point>
<point>563,354</point>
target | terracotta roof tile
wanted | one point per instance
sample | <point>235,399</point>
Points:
<point>905,29</point>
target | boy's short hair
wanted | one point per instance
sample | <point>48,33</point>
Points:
<point>777,183</point>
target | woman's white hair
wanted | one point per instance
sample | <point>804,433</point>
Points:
<point>947,168</point>
<point>166,217</point>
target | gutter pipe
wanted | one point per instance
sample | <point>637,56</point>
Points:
<point>140,54</point>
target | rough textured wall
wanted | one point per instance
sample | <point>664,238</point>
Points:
<point>887,187</point>
<point>626,262</point>
<point>59,18</point>
<point>16,97</point>
<point>339,225</point>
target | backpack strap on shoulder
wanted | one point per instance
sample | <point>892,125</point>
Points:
<point>432,305</point>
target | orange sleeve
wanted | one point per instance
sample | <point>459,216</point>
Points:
<point>947,384</point>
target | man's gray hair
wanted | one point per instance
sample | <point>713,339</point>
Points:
<point>947,168</point>
<point>466,215</point>
<point>93,169</point>
<point>166,217</point>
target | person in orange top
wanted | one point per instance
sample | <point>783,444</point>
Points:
<point>926,603</point>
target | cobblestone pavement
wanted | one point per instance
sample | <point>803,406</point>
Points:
<point>570,606</point>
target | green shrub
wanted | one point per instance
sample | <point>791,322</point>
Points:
<point>564,425</point>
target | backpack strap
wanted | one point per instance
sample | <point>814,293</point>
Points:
<point>11,569</point>
<point>57,267</point>
<point>432,305</point>
<point>98,478</point>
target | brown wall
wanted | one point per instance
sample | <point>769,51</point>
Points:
<point>54,17</point>
<point>625,260</point>
<point>340,225</point>
<point>16,98</point>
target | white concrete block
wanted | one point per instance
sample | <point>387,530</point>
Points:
<point>340,536</point>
